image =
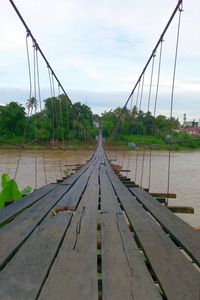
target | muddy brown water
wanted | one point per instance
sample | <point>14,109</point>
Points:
<point>54,163</point>
<point>184,179</point>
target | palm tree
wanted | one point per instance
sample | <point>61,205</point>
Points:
<point>30,104</point>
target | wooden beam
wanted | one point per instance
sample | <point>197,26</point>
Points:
<point>161,200</point>
<point>74,165</point>
<point>59,180</point>
<point>163,195</point>
<point>181,209</point>
<point>127,180</point>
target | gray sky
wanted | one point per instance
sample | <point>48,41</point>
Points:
<point>98,49</point>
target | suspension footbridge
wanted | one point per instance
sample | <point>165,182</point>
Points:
<point>96,234</point>
<point>90,237</point>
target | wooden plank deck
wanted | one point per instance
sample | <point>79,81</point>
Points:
<point>180,231</point>
<point>118,245</point>
<point>102,242</point>
<point>32,262</point>
<point>171,268</point>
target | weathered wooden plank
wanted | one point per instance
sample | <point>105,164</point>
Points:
<point>181,209</point>
<point>174,271</point>
<point>74,165</point>
<point>163,195</point>
<point>71,199</point>
<point>13,234</point>
<point>181,231</point>
<point>176,274</point>
<point>161,200</point>
<point>75,176</point>
<point>109,201</point>
<point>11,210</point>
<point>74,273</point>
<point>72,178</point>
<point>124,273</point>
<point>23,277</point>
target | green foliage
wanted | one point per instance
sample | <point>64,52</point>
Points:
<point>58,120</point>
<point>183,139</point>
<point>10,191</point>
<point>143,128</point>
<point>12,120</point>
<point>4,180</point>
<point>136,123</point>
<point>27,190</point>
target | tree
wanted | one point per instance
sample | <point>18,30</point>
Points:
<point>12,119</point>
<point>148,121</point>
<point>65,121</point>
<point>31,104</point>
<point>84,116</point>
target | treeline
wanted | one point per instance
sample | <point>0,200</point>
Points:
<point>124,125</point>
<point>56,121</point>
<point>59,122</point>
<point>134,122</point>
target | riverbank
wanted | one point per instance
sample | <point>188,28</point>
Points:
<point>134,142</point>
<point>179,142</point>
<point>72,145</point>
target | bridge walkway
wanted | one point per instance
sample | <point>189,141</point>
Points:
<point>89,237</point>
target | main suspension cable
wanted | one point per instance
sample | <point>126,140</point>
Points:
<point>151,80</point>
<point>39,49</point>
<point>178,6</point>
<point>142,89</point>
<point>43,56</point>
<point>158,78</point>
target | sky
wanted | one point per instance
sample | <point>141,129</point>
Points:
<point>98,50</point>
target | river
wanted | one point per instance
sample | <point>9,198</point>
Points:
<point>184,179</point>
<point>54,163</point>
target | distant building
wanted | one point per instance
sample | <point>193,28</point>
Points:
<point>188,124</point>
<point>191,124</point>
<point>96,124</point>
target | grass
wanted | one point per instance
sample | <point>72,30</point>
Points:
<point>180,142</point>
<point>17,143</point>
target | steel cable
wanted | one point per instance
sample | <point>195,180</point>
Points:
<point>172,98</point>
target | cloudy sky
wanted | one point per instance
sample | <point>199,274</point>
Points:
<point>98,49</point>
